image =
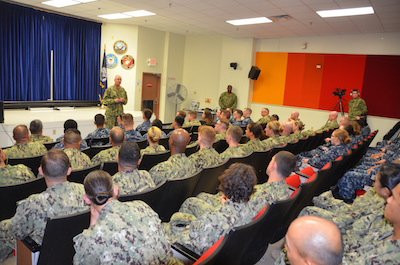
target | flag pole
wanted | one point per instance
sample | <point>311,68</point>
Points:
<point>103,78</point>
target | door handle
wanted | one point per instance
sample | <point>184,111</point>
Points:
<point>156,101</point>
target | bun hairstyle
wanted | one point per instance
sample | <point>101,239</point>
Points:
<point>256,129</point>
<point>275,127</point>
<point>154,134</point>
<point>300,124</point>
<point>343,136</point>
<point>99,187</point>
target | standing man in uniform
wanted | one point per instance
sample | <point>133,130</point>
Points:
<point>114,98</point>
<point>357,106</point>
<point>228,99</point>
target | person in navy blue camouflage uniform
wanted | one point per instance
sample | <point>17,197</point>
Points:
<point>100,132</point>
<point>69,124</point>
<point>237,118</point>
<point>246,115</point>
<point>145,126</point>
<point>130,133</point>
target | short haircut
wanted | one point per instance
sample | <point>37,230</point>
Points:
<point>226,113</point>
<point>182,113</point>
<point>389,176</point>
<point>70,124</point>
<point>248,110</point>
<point>239,112</point>
<point>256,129</point>
<point>157,123</point>
<point>147,113</point>
<point>286,162</point>
<point>55,164</point>
<point>236,133</point>
<point>237,182</point>
<point>99,187</point>
<point>207,133</point>
<point>117,135</point>
<point>179,120</point>
<point>224,123</point>
<point>127,118</point>
<point>21,131</point>
<point>267,109</point>
<point>99,119</point>
<point>193,113</point>
<point>36,126</point>
<point>72,136</point>
<point>154,134</point>
<point>129,154</point>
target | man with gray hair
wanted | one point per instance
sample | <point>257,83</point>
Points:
<point>36,128</point>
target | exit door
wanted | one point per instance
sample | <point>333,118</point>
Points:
<point>151,92</point>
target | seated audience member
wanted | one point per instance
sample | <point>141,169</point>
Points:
<point>117,137</point>
<point>72,141</point>
<point>312,240</point>
<point>176,124</point>
<point>192,119</point>
<point>220,127</point>
<point>206,156</point>
<point>246,115</point>
<point>178,165</point>
<point>237,118</point>
<point>273,131</point>
<point>264,116</point>
<point>181,113</point>
<point>298,127</point>
<point>61,197</point>
<point>294,116</point>
<point>231,118</point>
<point>233,136</point>
<point>119,121</point>
<point>36,129</point>
<point>100,132</point>
<point>13,174</point>
<point>130,133</point>
<point>286,134</point>
<point>119,233</point>
<point>274,117</point>
<point>69,124</point>
<point>157,123</point>
<point>129,179</point>
<point>356,131</point>
<point>217,115</point>
<point>147,113</point>
<point>339,140</point>
<point>153,136</point>
<point>226,114</point>
<point>207,117</point>
<point>23,147</point>
<point>198,234</point>
<point>332,122</point>
<point>254,132</point>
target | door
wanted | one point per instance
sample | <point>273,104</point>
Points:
<point>151,92</point>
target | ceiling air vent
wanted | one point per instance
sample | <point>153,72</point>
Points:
<point>281,18</point>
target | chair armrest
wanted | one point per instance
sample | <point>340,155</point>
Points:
<point>185,251</point>
<point>291,188</point>
<point>31,244</point>
<point>302,174</point>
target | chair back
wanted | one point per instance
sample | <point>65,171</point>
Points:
<point>32,162</point>
<point>58,246</point>
<point>142,143</point>
<point>94,150</point>
<point>188,129</point>
<point>243,160</point>
<point>258,160</point>
<point>222,146</point>
<point>78,176</point>
<point>194,136</point>
<point>50,145</point>
<point>208,180</point>
<point>292,147</point>
<point>195,128</point>
<point>150,196</point>
<point>167,131</point>
<point>11,194</point>
<point>97,141</point>
<point>164,142</point>
<point>192,150</point>
<point>175,193</point>
<point>111,167</point>
<point>150,160</point>
<point>244,140</point>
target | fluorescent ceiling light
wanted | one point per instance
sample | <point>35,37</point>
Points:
<point>64,3</point>
<point>114,16</point>
<point>139,13</point>
<point>346,12</point>
<point>86,1</point>
<point>249,21</point>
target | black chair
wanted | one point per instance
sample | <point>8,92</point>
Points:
<point>86,151</point>
<point>192,150</point>
<point>50,145</point>
<point>166,124</point>
<point>150,196</point>
<point>32,162</point>
<point>150,160</point>
<point>188,129</point>
<point>97,141</point>
<point>111,167</point>
<point>57,245</point>
<point>167,131</point>
<point>222,146</point>
<point>258,160</point>
<point>292,147</point>
<point>243,160</point>
<point>195,128</point>
<point>164,142</point>
<point>142,143</point>
<point>78,176</point>
<point>194,136</point>
<point>244,140</point>
<point>143,132</point>
<point>11,194</point>
<point>94,150</point>
<point>208,180</point>
<point>215,144</point>
<point>175,193</point>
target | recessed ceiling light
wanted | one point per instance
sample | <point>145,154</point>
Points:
<point>346,12</point>
<point>249,21</point>
<point>114,16</point>
<point>86,1</point>
<point>139,13</point>
<point>61,3</point>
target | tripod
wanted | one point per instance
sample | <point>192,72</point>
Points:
<point>340,104</point>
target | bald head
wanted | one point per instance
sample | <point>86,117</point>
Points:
<point>294,115</point>
<point>178,141</point>
<point>287,128</point>
<point>314,239</point>
<point>117,136</point>
<point>344,121</point>
<point>21,134</point>
<point>333,115</point>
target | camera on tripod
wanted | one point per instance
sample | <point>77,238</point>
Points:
<point>339,92</point>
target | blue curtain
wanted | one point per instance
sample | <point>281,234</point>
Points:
<point>27,37</point>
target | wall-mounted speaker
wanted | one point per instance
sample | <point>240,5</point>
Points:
<point>1,112</point>
<point>254,72</point>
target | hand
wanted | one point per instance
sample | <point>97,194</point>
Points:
<point>383,149</point>
<point>324,148</point>
<point>370,169</point>
<point>380,162</point>
<point>94,215</point>
<point>117,100</point>
<point>122,100</point>
<point>327,140</point>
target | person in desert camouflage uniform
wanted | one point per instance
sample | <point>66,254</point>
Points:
<point>153,136</point>
<point>13,174</point>
<point>23,147</point>
<point>72,142</point>
<point>36,129</point>
<point>114,98</point>
<point>117,137</point>
<point>129,179</point>
<point>178,165</point>
<point>233,136</point>
<point>264,116</point>
<point>61,197</point>
<point>273,130</point>
<point>119,233</point>
<point>206,156</point>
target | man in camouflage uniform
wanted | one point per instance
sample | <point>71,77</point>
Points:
<point>233,136</point>
<point>220,127</point>
<point>117,137</point>
<point>23,147</point>
<point>146,124</point>
<point>286,134</point>
<point>192,119</point>
<point>61,197</point>
<point>237,118</point>
<point>294,116</point>
<point>228,99</point>
<point>206,156</point>
<point>72,141</point>
<point>69,124</point>
<point>129,179</point>
<point>130,133</point>
<point>100,131</point>
<point>357,106</point>
<point>226,114</point>
<point>246,115</point>
<point>114,98</point>
<point>332,122</point>
<point>178,165</point>
<point>264,116</point>
<point>13,174</point>
<point>36,128</point>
